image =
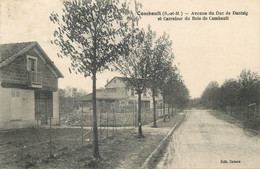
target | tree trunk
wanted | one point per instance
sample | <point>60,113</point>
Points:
<point>172,109</point>
<point>154,109</point>
<point>164,109</point>
<point>169,111</point>
<point>95,129</point>
<point>140,134</point>
<point>175,109</point>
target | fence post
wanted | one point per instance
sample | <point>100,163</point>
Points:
<point>37,122</point>
<point>38,127</point>
<point>50,137</point>
<point>133,116</point>
<point>113,120</point>
<point>135,112</point>
<point>114,117</point>
<point>82,132</point>
<point>107,123</point>
<point>100,120</point>
<point>125,118</point>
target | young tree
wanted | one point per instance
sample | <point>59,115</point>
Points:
<point>167,83</point>
<point>161,56</point>
<point>230,93</point>
<point>250,89</point>
<point>134,63</point>
<point>180,94</point>
<point>88,33</point>
<point>210,96</point>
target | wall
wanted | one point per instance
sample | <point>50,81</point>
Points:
<point>5,101</point>
<point>17,108</point>
<point>49,80</point>
<point>16,72</point>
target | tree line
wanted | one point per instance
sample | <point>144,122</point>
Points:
<point>242,93</point>
<point>103,35</point>
<point>67,101</point>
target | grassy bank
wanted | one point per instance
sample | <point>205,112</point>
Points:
<point>29,148</point>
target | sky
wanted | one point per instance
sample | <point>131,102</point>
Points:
<point>204,51</point>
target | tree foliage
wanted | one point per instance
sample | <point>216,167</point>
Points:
<point>250,87</point>
<point>210,95</point>
<point>134,62</point>
<point>243,92</point>
<point>161,58</point>
<point>88,32</point>
<point>94,34</point>
<point>175,91</point>
<point>230,92</point>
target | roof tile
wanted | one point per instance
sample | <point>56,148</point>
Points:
<point>10,49</point>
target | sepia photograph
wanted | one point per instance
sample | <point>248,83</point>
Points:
<point>125,84</point>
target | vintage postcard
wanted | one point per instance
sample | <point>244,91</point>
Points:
<point>130,84</point>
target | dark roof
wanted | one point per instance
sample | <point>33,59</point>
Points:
<point>102,95</point>
<point>10,51</point>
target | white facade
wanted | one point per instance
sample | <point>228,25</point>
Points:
<point>119,84</point>
<point>17,108</point>
<point>28,86</point>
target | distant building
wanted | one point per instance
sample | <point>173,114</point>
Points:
<point>119,92</point>
<point>28,86</point>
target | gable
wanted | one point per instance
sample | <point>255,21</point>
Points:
<point>10,52</point>
<point>42,64</point>
<point>116,82</point>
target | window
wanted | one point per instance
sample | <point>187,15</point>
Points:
<point>31,64</point>
<point>32,69</point>
<point>15,93</point>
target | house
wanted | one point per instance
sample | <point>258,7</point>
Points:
<point>104,96</point>
<point>28,86</point>
<point>118,91</point>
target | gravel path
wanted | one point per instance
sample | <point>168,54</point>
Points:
<point>204,141</point>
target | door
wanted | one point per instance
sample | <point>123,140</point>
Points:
<point>43,105</point>
<point>16,106</point>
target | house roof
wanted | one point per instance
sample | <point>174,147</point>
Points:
<point>123,79</point>
<point>102,94</point>
<point>120,78</point>
<point>9,52</point>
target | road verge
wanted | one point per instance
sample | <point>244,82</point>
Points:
<point>156,155</point>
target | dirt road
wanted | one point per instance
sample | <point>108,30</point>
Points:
<point>204,141</point>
